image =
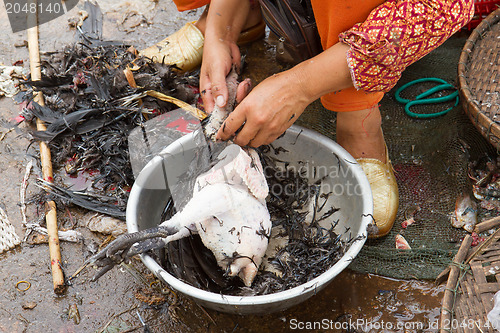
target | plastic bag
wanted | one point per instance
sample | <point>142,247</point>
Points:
<point>494,314</point>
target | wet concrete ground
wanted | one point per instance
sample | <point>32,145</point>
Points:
<point>113,303</point>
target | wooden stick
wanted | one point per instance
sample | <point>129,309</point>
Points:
<point>45,156</point>
<point>198,114</point>
<point>442,276</point>
<point>482,247</point>
<point>451,285</point>
<point>487,225</point>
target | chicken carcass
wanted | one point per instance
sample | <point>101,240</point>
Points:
<point>227,209</point>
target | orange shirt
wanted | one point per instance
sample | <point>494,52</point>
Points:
<point>183,5</point>
<point>332,18</point>
<point>336,16</point>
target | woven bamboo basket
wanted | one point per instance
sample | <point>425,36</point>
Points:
<point>474,278</point>
<point>479,77</point>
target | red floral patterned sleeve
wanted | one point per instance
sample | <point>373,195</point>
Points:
<point>398,33</point>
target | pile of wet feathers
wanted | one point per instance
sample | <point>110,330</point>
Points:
<point>90,108</point>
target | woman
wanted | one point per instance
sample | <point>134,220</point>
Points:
<point>367,44</point>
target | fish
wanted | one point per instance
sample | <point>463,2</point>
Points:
<point>407,222</point>
<point>402,243</point>
<point>409,216</point>
<point>465,215</point>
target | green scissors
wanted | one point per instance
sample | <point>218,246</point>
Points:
<point>420,99</point>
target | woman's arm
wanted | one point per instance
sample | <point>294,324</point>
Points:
<point>277,102</point>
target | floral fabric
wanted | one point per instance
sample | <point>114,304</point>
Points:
<point>398,33</point>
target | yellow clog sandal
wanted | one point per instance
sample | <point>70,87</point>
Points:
<point>384,191</point>
<point>183,48</point>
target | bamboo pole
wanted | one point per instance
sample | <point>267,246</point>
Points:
<point>480,228</point>
<point>451,286</point>
<point>45,156</point>
<point>487,225</point>
<point>198,114</point>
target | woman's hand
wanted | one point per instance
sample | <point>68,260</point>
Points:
<point>218,58</point>
<point>269,109</point>
<point>225,20</point>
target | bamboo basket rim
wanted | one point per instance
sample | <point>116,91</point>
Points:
<point>488,128</point>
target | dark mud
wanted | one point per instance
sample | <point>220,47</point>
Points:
<point>352,301</point>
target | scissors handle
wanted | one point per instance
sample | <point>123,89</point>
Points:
<point>421,98</point>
